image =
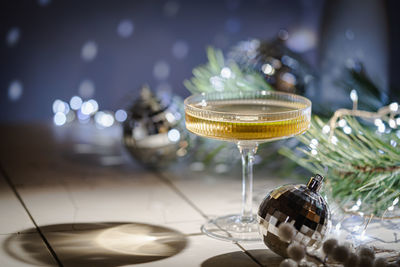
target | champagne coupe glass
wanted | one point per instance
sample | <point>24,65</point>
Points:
<point>247,118</point>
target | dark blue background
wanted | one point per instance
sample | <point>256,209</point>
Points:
<point>47,57</point>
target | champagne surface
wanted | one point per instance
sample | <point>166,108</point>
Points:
<point>246,119</point>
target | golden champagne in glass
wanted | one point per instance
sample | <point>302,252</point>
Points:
<point>247,118</point>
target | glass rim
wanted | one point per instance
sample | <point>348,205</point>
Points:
<point>295,99</point>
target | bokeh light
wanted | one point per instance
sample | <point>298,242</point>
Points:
<point>161,70</point>
<point>89,107</point>
<point>59,119</point>
<point>13,36</point>
<point>86,88</point>
<point>75,102</point>
<point>83,118</point>
<point>180,49</point>
<point>174,135</point>
<point>226,73</point>
<point>125,28</point>
<point>121,115</point>
<point>89,51</point>
<point>15,90</point>
<point>301,40</point>
<point>60,106</point>
<point>104,119</point>
<point>268,69</point>
<point>283,34</point>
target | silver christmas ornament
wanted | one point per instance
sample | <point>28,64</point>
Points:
<point>154,132</point>
<point>282,68</point>
<point>299,205</point>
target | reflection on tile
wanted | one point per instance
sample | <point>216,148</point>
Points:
<point>102,244</point>
<point>17,252</point>
<point>201,251</point>
<point>265,257</point>
<point>262,254</point>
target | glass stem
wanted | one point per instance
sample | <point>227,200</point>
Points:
<point>247,150</point>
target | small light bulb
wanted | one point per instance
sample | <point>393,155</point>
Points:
<point>381,128</point>
<point>334,140</point>
<point>392,123</point>
<point>378,122</point>
<point>314,142</point>
<point>342,123</point>
<point>394,107</point>
<point>226,73</point>
<point>347,130</point>
<point>353,95</point>
<point>326,129</point>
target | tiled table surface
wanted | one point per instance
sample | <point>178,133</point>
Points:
<point>80,200</point>
<point>70,196</point>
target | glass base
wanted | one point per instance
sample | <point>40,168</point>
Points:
<point>232,228</point>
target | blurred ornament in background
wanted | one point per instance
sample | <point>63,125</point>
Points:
<point>299,205</point>
<point>282,68</point>
<point>154,132</point>
<point>347,38</point>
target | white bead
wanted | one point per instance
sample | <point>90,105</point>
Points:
<point>288,263</point>
<point>286,232</point>
<point>365,262</point>
<point>352,260</point>
<point>296,252</point>
<point>340,253</point>
<point>366,252</point>
<point>329,245</point>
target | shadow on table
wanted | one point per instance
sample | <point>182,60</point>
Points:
<point>264,257</point>
<point>97,244</point>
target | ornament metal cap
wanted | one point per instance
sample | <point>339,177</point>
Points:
<point>315,183</point>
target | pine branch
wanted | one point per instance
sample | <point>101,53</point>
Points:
<point>221,75</point>
<point>364,164</point>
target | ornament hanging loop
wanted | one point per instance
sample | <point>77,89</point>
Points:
<point>315,183</point>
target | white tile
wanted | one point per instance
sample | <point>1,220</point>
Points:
<point>107,199</point>
<point>13,217</point>
<point>217,195</point>
<point>24,250</point>
<point>61,184</point>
